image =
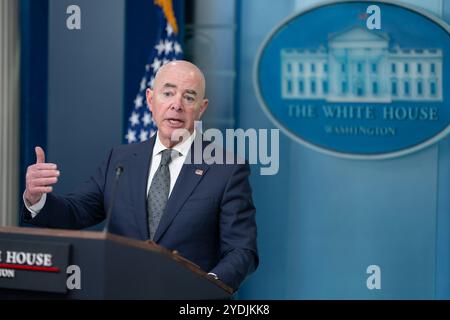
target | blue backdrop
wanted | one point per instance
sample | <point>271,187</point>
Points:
<point>328,219</point>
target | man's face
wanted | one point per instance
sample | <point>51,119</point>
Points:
<point>177,100</point>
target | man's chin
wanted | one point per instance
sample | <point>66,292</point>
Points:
<point>175,134</point>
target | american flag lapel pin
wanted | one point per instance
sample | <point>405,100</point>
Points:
<point>199,172</point>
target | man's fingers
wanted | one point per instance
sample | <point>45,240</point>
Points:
<point>40,155</point>
<point>37,174</point>
<point>45,166</point>
<point>44,182</point>
<point>42,190</point>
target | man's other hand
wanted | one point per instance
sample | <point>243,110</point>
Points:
<point>40,177</point>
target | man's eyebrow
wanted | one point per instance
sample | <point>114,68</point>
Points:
<point>191,92</point>
<point>169,85</point>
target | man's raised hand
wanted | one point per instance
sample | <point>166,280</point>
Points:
<point>40,177</point>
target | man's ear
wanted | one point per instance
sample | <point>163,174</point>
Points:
<point>149,98</point>
<point>203,107</point>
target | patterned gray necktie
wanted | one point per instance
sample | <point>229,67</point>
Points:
<point>159,192</point>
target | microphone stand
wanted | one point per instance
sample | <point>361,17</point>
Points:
<point>119,171</point>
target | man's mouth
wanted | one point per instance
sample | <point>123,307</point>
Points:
<point>176,123</point>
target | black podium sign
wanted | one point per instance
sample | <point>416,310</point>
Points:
<point>33,265</point>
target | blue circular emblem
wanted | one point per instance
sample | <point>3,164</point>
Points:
<point>358,79</point>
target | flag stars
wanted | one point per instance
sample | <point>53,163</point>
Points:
<point>169,30</point>
<point>177,48</point>
<point>138,102</point>
<point>168,47</point>
<point>160,47</point>
<point>143,84</point>
<point>143,136</point>
<point>131,136</point>
<point>134,119</point>
<point>151,82</point>
<point>147,119</point>
<point>156,64</point>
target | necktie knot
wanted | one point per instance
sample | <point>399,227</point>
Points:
<point>166,157</point>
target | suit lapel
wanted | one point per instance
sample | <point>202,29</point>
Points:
<point>185,185</point>
<point>189,177</point>
<point>141,162</point>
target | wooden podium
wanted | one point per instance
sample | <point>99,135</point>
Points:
<point>111,267</point>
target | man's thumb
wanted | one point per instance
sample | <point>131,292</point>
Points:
<point>40,155</point>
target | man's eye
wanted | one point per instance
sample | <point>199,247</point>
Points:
<point>189,99</point>
<point>167,94</point>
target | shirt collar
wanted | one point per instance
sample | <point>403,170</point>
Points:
<point>182,148</point>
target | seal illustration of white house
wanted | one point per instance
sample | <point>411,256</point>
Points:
<point>362,66</point>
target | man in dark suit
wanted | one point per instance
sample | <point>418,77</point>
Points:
<point>202,210</point>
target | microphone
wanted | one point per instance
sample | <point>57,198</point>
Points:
<point>119,171</point>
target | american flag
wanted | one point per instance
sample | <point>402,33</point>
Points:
<point>141,125</point>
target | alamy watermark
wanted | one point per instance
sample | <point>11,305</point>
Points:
<point>258,146</point>
<point>73,21</point>
<point>374,280</point>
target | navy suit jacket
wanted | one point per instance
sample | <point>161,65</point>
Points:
<point>209,218</point>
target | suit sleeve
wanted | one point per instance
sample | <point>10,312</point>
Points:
<point>239,254</point>
<point>78,210</point>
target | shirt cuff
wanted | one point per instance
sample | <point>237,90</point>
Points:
<point>213,275</point>
<point>36,208</point>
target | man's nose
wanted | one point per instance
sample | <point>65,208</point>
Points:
<point>177,104</point>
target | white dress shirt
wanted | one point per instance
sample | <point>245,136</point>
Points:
<point>177,160</point>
